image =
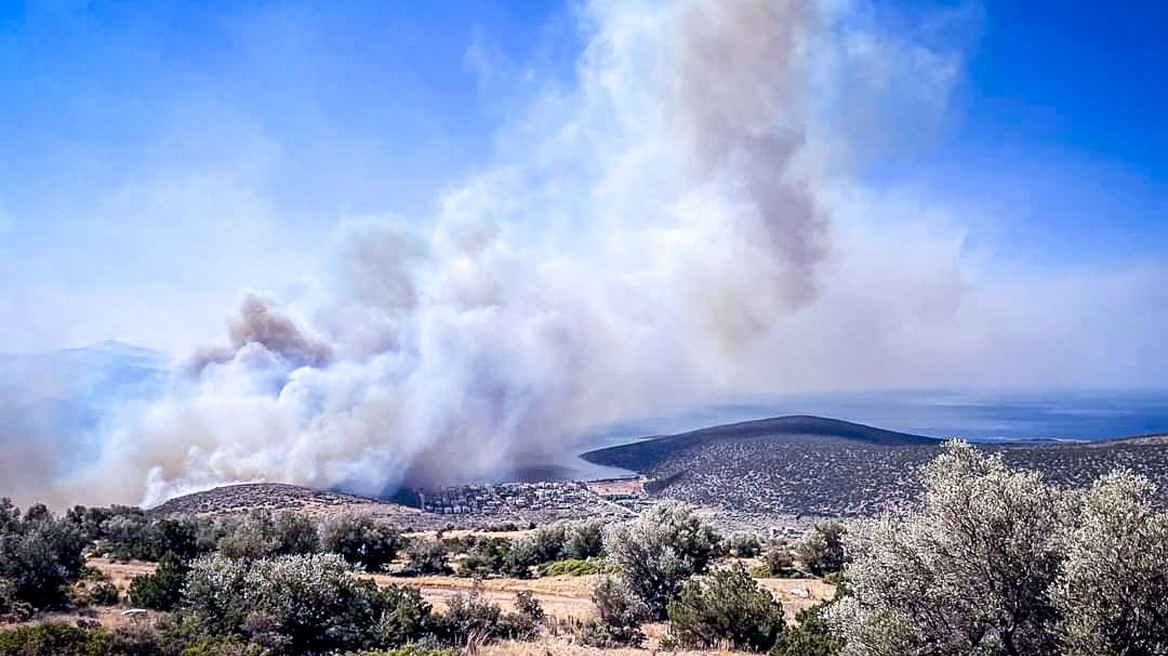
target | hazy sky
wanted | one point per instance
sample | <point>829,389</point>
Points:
<point>158,160</point>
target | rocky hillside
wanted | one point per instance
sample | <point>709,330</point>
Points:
<point>279,497</point>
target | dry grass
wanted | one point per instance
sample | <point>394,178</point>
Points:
<point>562,646</point>
<point>560,596</point>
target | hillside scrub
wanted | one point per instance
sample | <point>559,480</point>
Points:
<point>498,557</point>
<point>471,619</point>
<point>1112,589</point>
<point>778,560</point>
<point>574,567</point>
<point>584,540</point>
<point>810,636</point>
<point>743,545</point>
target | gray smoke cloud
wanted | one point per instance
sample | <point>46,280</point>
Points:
<point>640,244</point>
<point>260,324</point>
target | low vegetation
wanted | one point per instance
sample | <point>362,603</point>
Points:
<point>999,561</point>
<point>728,607</point>
<point>992,560</point>
<point>655,553</point>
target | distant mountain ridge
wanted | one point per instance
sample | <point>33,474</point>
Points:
<point>645,454</point>
<point>57,394</point>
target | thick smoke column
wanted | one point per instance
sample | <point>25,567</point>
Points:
<point>628,258</point>
<point>734,98</point>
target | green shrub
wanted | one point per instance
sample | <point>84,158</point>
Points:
<point>93,575</point>
<point>90,521</point>
<point>821,551</point>
<point>779,561</point>
<point>104,593</point>
<point>12,609</point>
<point>362,541</point>
<point>621,615</point>
<point>728,606</point>
<point>308,604</point>
<point>223,646</point>
<point>214,594</point>
<point>574,567</point>
<point>584,540</point>
<point>743,545</point>
<point>259,535</point>
<point>245,536</point>
<point>405,617</point>
<point>142,639</point>
<point>525,622</point>
<point>659,550</point>
<point>428,557</point>
<point>811,636</point>
<point>130,535</point>
<point>594,633</point>
<point>55,639</point>
<point>163,589</point>
<point>546,544</point>
<point>472,619</point>
<point>40,556</point>
<point>294,534</point>
<point>497,557</point>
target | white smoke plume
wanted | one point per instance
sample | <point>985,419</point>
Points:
<point>658,234</point>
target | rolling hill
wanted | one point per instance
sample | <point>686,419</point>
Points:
<point>649,453</point>
<point>756,472</point>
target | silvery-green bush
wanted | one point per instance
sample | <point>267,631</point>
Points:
<point>968,573</point>
<point>302,604</point>
<point>584,540</point>
<point>1112,592</point>
<point>40,555</point>
<point>659,550</point>
<point>822,550</point>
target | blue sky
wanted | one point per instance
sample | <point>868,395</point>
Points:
<point>495,226</point>
<point>158,159</point>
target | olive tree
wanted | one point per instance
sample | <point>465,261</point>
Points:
<point>288,604</point>
<point>967,573</point>
<point>822,551</point>
<point>584,540</point>
<point>40,555</point>
<point>361,540</point>
<point>1113,590</point>
<point>659,550</point>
